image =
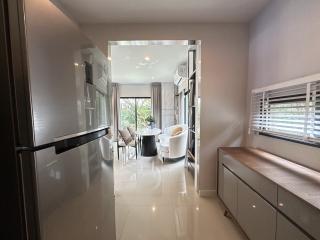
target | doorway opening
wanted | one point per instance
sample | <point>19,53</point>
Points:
<point>175,65</point>
<point>155,83</point>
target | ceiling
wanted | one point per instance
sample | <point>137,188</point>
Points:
<point>162,11</point>
<point>146,64</point>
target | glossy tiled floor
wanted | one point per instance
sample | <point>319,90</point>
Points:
<point>156,201</point>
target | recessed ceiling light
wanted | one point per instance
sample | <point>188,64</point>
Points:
<point>147,58</point>
<point>152,77</point>
<point>109,58</point>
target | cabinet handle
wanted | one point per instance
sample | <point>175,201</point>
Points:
<point>281,204</point>
<point>254,206</point>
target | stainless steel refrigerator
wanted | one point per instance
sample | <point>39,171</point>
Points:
<point>62,96</point>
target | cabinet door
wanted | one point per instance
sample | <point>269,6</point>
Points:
<point>303,214</point>
<point>230,189</point>
<point>286,230</point>
<point>255,215</point>
<point>266,188</point>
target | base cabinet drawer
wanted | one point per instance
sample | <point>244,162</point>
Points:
<point>259,183</point>
<point>305,216</point>
<point>230,185</point>
<point>255,215</point>
<point>287,231</point>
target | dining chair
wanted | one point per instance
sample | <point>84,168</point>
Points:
<point>128,140</point>
<point>135,137</point>
<point>121,144</point>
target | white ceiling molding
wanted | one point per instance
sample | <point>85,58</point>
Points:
<point>151,42</point>
<point>164,11</point>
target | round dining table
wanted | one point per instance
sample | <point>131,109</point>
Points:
<point>148,138</point>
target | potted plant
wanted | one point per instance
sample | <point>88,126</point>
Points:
<point>150,121</point>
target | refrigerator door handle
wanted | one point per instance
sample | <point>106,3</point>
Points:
<point>64,144</point>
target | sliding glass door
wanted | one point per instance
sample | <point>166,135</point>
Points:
<point>134,111</point>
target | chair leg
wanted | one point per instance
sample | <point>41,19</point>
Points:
<point>136,151</point>
<point>127,153</point>
<point>123,154</point>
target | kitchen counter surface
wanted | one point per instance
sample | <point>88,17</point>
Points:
<point>299,180</point>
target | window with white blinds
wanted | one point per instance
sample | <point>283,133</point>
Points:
<point>291,111</point>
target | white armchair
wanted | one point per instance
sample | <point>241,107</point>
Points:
<point>173,143</point>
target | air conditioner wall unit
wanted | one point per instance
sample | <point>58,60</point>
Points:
<point>181,73</point>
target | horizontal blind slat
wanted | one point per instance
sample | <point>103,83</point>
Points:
<point>288,112</point>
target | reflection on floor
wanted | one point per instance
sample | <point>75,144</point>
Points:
<point>156,201</point>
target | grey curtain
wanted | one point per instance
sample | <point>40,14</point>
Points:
<point>115,108</point>
<point>156,103</point>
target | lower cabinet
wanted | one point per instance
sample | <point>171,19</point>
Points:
<point>300,212</point>
<point>287,231</point>
<point>264,210</point>
<point>255,215</point>
<point>230,185</point>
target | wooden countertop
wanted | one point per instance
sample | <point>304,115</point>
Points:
<point>300,181</point>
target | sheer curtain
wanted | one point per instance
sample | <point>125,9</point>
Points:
<point>115,108</point>
<point>156,103</point>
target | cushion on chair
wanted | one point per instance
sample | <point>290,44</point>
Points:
<point>125,135</point>
<point>132,143</point>
<point>132,132</point>
<point>176,131</point>
<point>121,144</point>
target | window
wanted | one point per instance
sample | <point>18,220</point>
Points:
<point>291,112</point>
<point>134,111</point>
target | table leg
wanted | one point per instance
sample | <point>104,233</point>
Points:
<point>149,147</point>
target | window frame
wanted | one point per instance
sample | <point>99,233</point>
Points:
<point>135,109</point>
<point>313,79</point>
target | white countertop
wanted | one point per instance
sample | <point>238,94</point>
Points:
<point>149,132</point>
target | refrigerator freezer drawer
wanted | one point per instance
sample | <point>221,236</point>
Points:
<point>75,194</point>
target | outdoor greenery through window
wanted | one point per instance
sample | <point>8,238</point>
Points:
<point>291,112</point>
<point>134,111</point>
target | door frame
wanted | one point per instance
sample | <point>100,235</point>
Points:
<point>13,216</point>
<point>20,213</point>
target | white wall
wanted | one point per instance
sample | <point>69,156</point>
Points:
<point>135,90</point>
<point>285,44</point>
<point>224,74</point>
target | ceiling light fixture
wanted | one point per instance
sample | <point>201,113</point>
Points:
<point>147,58</point>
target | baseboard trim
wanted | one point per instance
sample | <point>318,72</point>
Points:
<point>207,193</point>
